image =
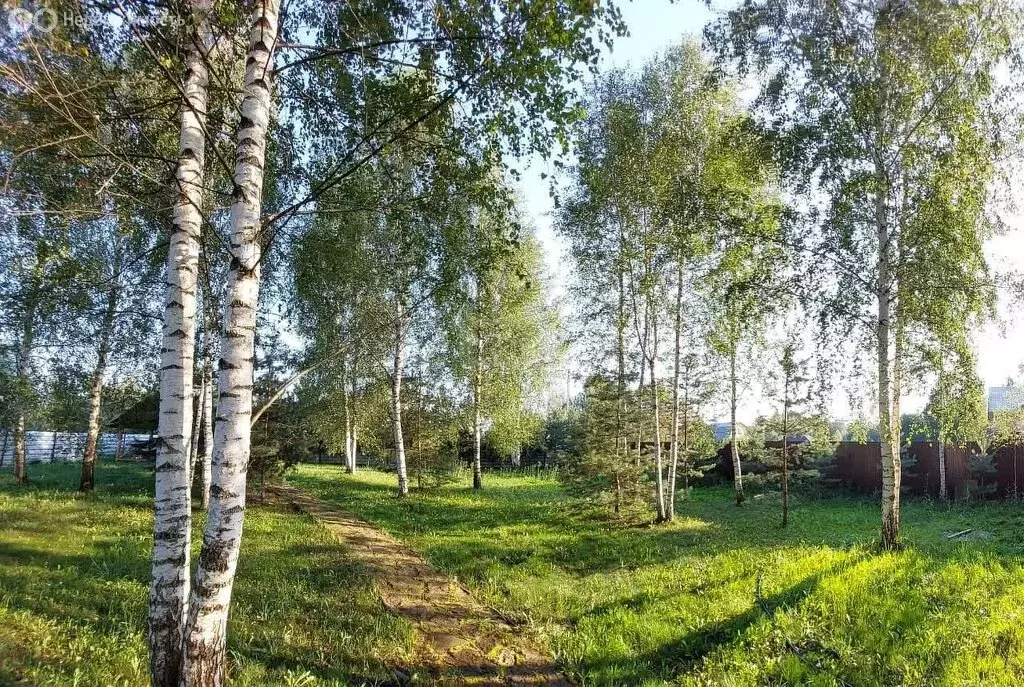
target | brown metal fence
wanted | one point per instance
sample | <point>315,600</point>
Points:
<point>1009,464</point>
<point>859,465</point>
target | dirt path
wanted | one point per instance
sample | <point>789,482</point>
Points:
<point>458,641</point>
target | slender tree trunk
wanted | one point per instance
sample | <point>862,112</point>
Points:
<point>3,449</point>
<point>396,400</point>
<point>674,459</point>
<point>172,522</point>
<point>891,464</point>
<point>207,458</point>
<point>355,425</point>
<point>686,437</point>
<point>640,396</point>
<point>24,370</point>
<point>222,536</point>
<point>477,384</point>
<point>197,427</point>
<point>20,475</point>
<point>785,454</point>
<point>348,418</point>
<point>620,363</point>
<point>734,445</point>
<point>87,481</point>
<point>942,468</point>
<point>659,477</point>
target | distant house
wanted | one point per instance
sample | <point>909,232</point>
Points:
<point>1002,398</point>
<point>722,431</point>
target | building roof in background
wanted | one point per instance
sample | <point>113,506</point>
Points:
<point>1005,398</point>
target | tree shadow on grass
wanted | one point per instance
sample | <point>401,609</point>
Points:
<point>683,655</point>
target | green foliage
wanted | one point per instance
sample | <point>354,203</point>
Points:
<point>601,470</point>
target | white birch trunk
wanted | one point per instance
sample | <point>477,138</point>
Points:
<point>172,522</point>
<point>659,476</point>
<point>674,458</point>
<point>396,400</point>
<point>206,467</point>
<point>24,370</point>
<point>477,384</point>
<point>734,445</point>
<point>197,427</point>
<point>355,424</point>
<point>942,468</point>
<point>88,480</point>
<point>206,633</point>
<point>347,417</point>
<point>890,449</point>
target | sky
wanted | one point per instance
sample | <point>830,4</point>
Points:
<point>655,25</point>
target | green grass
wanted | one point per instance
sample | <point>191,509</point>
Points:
<point>73,585</point>
<point>638,605</point>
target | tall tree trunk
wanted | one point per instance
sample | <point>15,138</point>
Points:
<point>355,425</point>
<point>88,481</point>
<point>3,449</point>
<point>674,459</point>
<point>734,445</point>
<point>207,458</point>
<point>620,361</point>
<point>477,384</point>
<point>172,521</point>
<point>348,419</point>
<point>396,400</point>
<point>197,427</point>
<point>891,464</point>
<point>785,453</point>
<point>640,395</point>
<point>659,477</point>
<point>24,369</point>
<point>222,536</point>
<point>686,437</point>
<point>941,447</point>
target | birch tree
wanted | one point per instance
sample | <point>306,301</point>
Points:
<point>169,586</point>
<point>890,113</point>
<point>206,631</point>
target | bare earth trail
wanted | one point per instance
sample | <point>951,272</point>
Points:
<point>458,640</point>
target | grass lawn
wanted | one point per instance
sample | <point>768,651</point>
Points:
<point>628,605</point>
<point>74,574</point>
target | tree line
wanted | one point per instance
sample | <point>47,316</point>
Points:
<point>316,202</point>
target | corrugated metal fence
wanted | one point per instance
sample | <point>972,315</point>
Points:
<point>46,447</point>
<point>860,466</point>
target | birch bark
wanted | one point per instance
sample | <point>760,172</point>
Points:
<point>477,384</point>
<point>88,480</point>
<point>659,476</point>
<point>734,446</point>
<point>674,457</point>
<point>172,521</point>
<point>206,632</point>
<point>396,399</point>
<point>24,369</point>
<point>355,424</point>
<point>891,464</point>
<point>206,466</point>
